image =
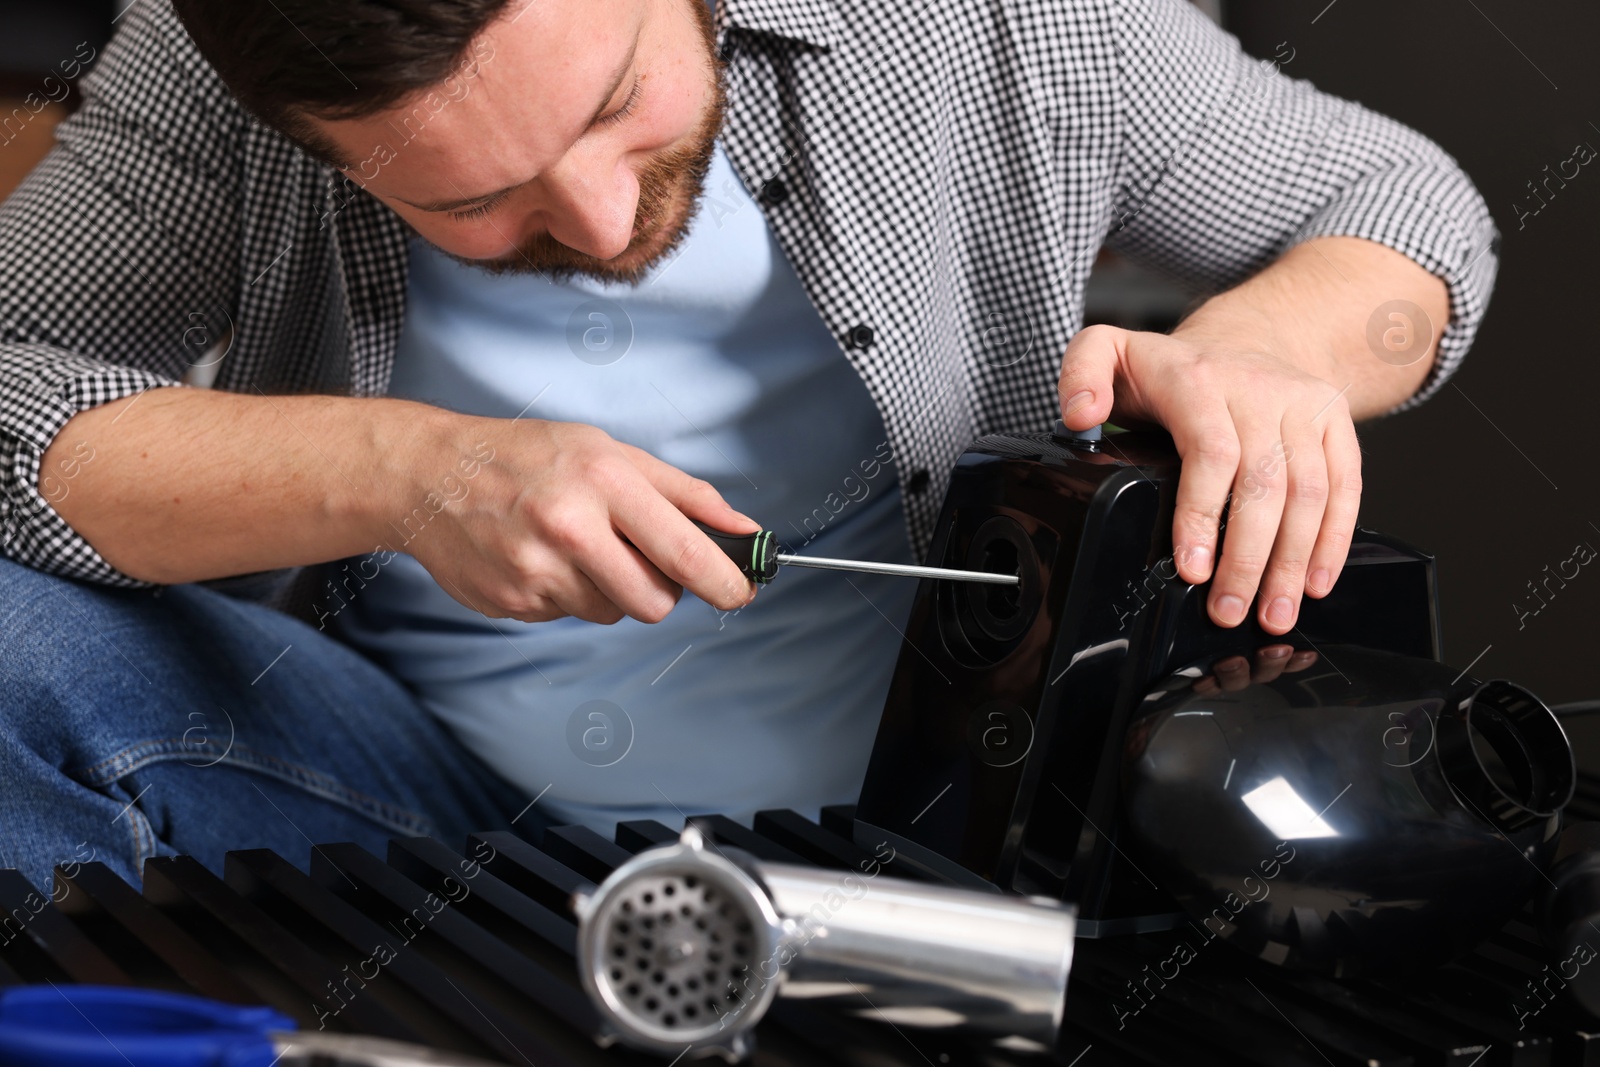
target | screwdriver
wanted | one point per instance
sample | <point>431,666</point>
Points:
<point>758,557</point>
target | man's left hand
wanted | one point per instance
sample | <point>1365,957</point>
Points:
<point>1259,388</point>
<point>1280,439</point>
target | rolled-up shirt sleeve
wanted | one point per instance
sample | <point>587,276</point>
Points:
<point>1227,161</point>
<point>118,248</point>
<point>43,388</point>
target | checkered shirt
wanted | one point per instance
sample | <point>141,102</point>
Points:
<point>941,174</point>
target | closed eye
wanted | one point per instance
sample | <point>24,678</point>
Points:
<point>479,210</point>
<point>627,108</point>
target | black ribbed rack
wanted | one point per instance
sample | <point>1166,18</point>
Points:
<point>471,949</point>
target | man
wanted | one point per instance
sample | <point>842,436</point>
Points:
<point>620,265</point>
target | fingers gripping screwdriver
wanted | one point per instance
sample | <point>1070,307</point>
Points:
<point>758,557</point>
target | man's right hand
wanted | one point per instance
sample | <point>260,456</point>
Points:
<point>190,484</point>
<point>564,520</point>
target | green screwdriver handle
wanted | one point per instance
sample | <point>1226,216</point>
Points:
<point>755,553</point>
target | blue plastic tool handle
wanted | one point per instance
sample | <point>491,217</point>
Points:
<point>104,1026</point>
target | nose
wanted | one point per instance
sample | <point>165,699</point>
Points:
<point>590,204</point>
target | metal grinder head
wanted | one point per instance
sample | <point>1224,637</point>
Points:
<point>684,947</point>
<point>668,944</point>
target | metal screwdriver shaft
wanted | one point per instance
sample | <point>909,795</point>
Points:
<point>902,569</point>
<point>758,557</point>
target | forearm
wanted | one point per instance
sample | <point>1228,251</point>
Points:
<point>1313,308</point>
<point>179,485</point>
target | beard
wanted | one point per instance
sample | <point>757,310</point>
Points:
<point>670,187</point>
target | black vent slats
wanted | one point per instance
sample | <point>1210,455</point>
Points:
<point>33,927</point>
<point>480,945</point>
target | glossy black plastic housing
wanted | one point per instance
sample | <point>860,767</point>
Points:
<point>1569,920</point>
<point>995,760</point>
<point>1367,813</point>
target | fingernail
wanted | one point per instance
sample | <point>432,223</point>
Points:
<point>1319,580</point>
<point>1197,559</point>
<point>1230,608</point>
<point>1280,612</point>
<point>1076,401</point>
<point>1276,651</point>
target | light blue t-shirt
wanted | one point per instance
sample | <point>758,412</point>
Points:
<point>718,364</point>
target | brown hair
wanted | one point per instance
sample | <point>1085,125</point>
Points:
<point>331,59</point>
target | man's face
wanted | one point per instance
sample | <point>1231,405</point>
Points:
<point>576,143</point>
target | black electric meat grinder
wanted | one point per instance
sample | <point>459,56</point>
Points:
<point>1078,736</point>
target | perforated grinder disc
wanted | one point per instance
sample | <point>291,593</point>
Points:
<point>680,946</point>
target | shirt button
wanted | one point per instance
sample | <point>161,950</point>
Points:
<point>725,53</point>
<point>774,192</point>
<point>860,336</point>
<point>918,484</point>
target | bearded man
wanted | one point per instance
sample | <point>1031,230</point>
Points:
<point>362,356</point>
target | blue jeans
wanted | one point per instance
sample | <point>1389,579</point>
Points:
<point>184,720</point>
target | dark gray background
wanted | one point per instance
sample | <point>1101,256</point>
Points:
<point>1497,474</point>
